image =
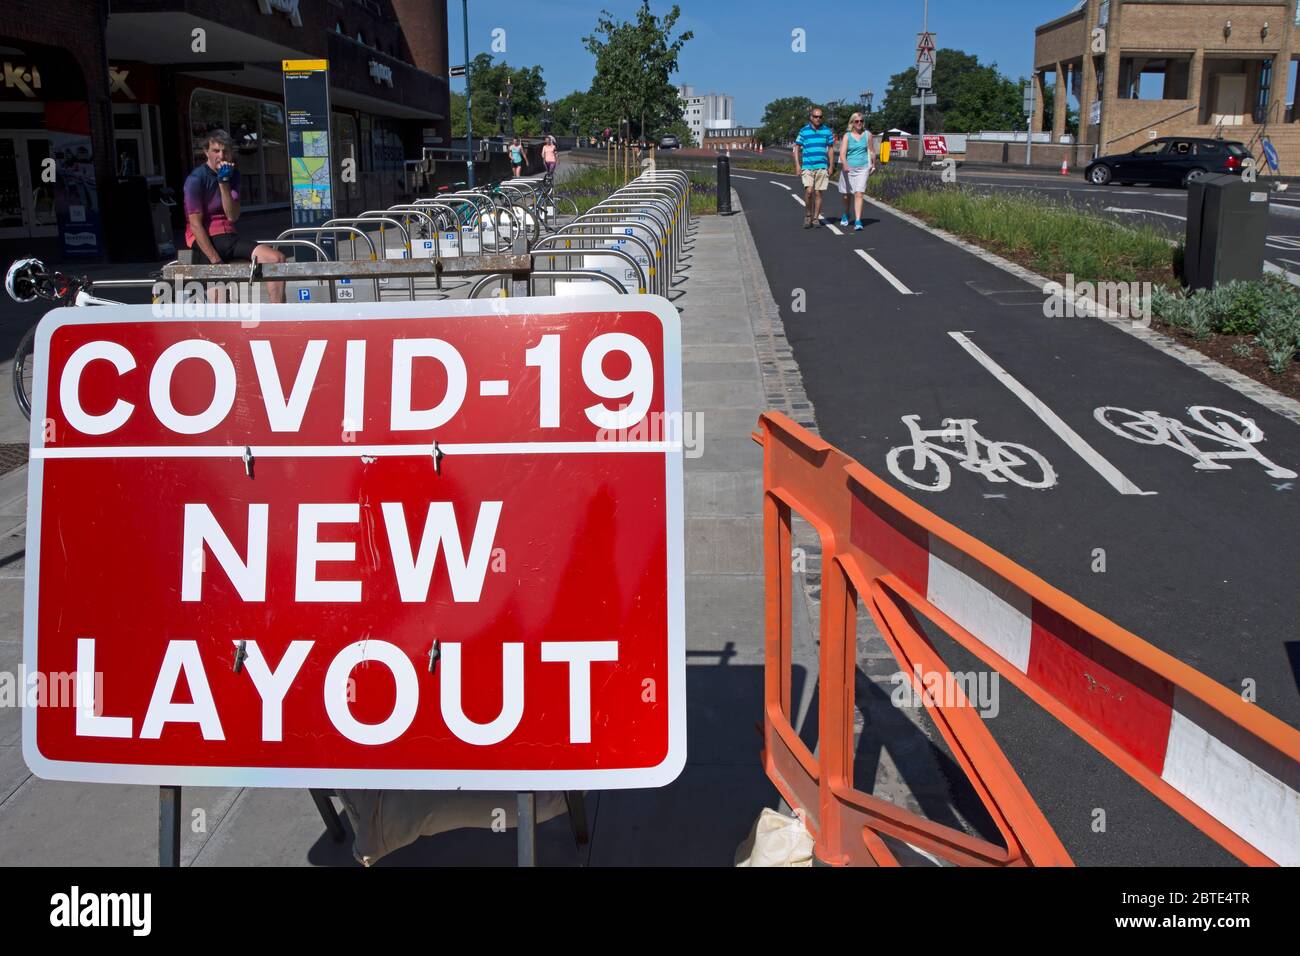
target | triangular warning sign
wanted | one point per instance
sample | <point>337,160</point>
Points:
<point>925,42</point>
<point>925,56</point>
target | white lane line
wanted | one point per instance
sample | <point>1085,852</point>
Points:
<point>834,228</point>
<point>889,276</point>
<point>798,200</point>
<point>738,176</point>
<point>1147,212</point>
<point>777,183</point>
<point>1053,421</point>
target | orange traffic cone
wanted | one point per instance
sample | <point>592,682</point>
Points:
<point>1065,167</point>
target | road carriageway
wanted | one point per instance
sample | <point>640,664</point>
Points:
<point>1140,486</point>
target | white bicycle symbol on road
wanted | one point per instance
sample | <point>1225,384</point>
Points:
<point>922,463</point>
<point>1234,436</point>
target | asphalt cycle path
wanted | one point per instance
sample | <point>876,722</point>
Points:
<point>1201,551</point>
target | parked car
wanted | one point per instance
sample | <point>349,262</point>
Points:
<point>1169,161</point>
<point>669,141</point>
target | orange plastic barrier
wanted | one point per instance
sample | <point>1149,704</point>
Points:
<point>1224,764</point>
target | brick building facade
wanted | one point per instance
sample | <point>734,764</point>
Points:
<point>1138,69</point>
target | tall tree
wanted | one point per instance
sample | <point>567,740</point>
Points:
<point>487,83</point>
<point>970,97</point>
<point>635,61</point>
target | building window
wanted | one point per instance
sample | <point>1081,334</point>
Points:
<point>1265,81</point>
<point>257,128</point>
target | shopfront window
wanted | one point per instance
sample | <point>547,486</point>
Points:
<point>257,128</point>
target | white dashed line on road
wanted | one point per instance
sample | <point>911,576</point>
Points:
<point>1145,212</point>
<point>889,276</point>
<point>834,228</point>
<point>738,176</point>
<point>1073,439</point>
<point>776,183</point>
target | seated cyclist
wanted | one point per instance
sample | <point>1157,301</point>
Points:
<point>212,207</point>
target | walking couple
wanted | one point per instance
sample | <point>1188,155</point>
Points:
<point>814,160</point>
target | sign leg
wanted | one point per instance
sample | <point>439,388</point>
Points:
<point>577,805</point>
<point>169,826</point>
<point>527,826</point>
<point>325,807</point>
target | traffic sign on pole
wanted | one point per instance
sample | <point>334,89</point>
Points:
<point>924,99</point>
<point>393,545</point>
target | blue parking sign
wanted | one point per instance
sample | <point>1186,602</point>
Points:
<point>304,295</point>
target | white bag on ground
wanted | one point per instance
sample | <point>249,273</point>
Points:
<point>776,840</point>
<point>387,820</point>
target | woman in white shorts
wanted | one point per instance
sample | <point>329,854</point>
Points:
<point>856,162</point>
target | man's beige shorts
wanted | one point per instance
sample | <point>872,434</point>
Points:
<point>816,178</point>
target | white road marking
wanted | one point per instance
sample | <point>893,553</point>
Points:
<point>1073,439</point>
<point>798,200</point>
<point>834,228</point>
<point>1147,212</point>
<point>1227,430</point>
<point>889,276</point>
<point>738,176</point>
<point>775,182</point>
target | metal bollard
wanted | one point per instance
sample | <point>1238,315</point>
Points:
<point>724,185</point>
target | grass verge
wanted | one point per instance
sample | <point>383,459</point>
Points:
<point>588,185</point>
<point>1054,239</point>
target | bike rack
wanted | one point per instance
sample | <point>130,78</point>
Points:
<point>592,252</point>
<point>559,274</point>
<point>656,278</point>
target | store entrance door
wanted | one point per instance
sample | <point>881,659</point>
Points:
<point>26,199</point>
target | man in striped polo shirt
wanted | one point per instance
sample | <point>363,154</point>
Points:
<point>814,149</point>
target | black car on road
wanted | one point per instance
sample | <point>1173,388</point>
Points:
<point>1169,161</point>
<point>669,141</point>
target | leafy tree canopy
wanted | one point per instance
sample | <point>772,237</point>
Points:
<point>635,61</point>
<point>971,97</point>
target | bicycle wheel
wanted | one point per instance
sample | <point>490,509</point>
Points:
<point>1230,426</point>
<point>23,371</point>
<point>1145,428</point>
<point>1010,456</point>
<point>922,460</point>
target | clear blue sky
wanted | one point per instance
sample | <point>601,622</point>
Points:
<point>742,47</point>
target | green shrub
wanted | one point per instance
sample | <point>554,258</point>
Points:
<point>1168,306</point>
<point>1279,337</point>
<point>1198,318</point>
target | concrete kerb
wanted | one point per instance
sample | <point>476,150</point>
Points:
<point>1274,401</point>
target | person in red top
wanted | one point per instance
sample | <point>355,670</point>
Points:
<point>211,196</point>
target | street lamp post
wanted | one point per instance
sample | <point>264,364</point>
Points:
<point>573,124</point>
<point>546,118</point>
<point>469,120</point>
<point>510,111</point>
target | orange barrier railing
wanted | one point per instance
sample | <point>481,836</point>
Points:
<point>1225,765</point>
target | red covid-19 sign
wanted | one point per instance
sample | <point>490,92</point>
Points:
<point>410,545</point>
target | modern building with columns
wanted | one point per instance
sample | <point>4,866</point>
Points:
<point>1138,69</point>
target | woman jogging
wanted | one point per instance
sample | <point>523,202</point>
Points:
<point>856,163</point>
<point>548,155</point>
<point>516,156</point>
